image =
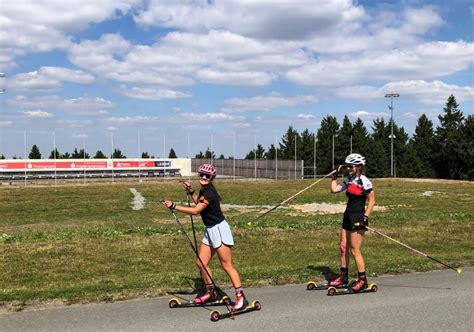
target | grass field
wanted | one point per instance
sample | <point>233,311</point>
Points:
<point>86,243</point>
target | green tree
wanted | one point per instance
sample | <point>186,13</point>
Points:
<point>424,146</point>
<point>118,154</point>
<point>467,146</point>
<point>2,157</point>
<point>271,153</point>
<point>54,154</point>
<point>34,153</point>
<point>100,155</point>
<point>448,137</point>
<point>343,140</point>
<point>145,155</point>
<point>221,156</point>
<point>172,154</point>
<point>306,151</point>
<point>287,145</point>
<point>79,154</point>
<point>380,154</point>
<point>329,129</point>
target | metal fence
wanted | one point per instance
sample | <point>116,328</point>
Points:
<point>248,168</point>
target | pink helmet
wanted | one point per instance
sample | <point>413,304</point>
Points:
<point>207,169</point>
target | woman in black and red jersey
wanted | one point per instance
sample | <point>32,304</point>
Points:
<point>358,189</point>
<point>217,235</point>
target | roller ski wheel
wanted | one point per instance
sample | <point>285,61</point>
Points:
<point>215,316</point>
<point>177,303</point>
<point>371,288</point>
<point>254,306</point>
<point>174,303</point>
<point>313,285</point>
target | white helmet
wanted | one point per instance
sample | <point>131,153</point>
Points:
<point>355,159</point>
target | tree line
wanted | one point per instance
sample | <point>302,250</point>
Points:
<point>446,151</point>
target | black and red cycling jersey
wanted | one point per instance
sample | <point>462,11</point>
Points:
<point>357,188</point>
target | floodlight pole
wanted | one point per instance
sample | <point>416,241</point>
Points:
<point>391,96</point>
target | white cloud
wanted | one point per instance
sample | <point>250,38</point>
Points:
<point>151,93</point>
<point>280,20</point>
<point>38,114</point>
<point>47,79</point>
<point>305,116</point>
<point>4,124</point>
<point>203,117</point>
<point>265,103</point>
<point>254,79</point>
<point>133,120</point>
<point>434,92</point>
<point>426,61</point>
<point>74,123</point>
<point>365,116</point>
<point>43,25</point>
<point>82,105</point>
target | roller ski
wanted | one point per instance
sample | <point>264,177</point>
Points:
<point>206,300</point>
<point>322,285</point>
<point>358,288</point>
<point>254,306</point>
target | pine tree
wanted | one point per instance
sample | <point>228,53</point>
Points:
<point>34,153</point>
<point>423,144</point>
<point>343,140</point>
<point>448,136</point>
<point>100,155</point>
<point>54,154</point>
<point>2,157</point>
<point>306,151</point>
<point>271,153</point>
<point>172,154</point>
<point>380,156</point>
<point>76,154</point>
<point>118,154</point>
<point>467,146</point>
<point>145,155</point>
<point>329,128</point>
<point>287,145</point>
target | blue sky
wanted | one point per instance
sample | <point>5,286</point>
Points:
<point>151,75</point>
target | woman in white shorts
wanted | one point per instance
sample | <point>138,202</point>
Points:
<point>217,235</point>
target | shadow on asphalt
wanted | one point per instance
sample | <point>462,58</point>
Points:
<point>326,271</point>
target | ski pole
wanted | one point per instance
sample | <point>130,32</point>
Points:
<point>412,249</point>
<point>292,197</point>
<point>190,216</point>
<point>199,258</point>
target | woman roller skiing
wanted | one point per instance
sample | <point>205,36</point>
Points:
<point>358,189</point>
<point>217,235</point>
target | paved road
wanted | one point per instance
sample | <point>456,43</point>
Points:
<point>437,300</point>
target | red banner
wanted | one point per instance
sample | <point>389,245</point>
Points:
<point>75,164</point>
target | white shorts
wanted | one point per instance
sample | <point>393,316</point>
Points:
<point>217,235</point>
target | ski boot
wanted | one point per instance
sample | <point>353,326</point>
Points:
<point>209,296</point>
<point>360,285</point>
<point>339,282</point>
<point>240,301</point>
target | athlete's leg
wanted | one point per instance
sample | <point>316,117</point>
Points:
<point>355,242</point>
<point>205,255</point>
<point>224,253</point>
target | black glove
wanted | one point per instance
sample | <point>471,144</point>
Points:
<point>365,222</point>
<point>337,172</point>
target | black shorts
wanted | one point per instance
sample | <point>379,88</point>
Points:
<point>350,219</point>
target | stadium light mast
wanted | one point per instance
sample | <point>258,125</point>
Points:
<point>391,96</point>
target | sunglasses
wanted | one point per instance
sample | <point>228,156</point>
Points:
<point>205,176</point>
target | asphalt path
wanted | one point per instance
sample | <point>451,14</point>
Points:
<point>431,301</point>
